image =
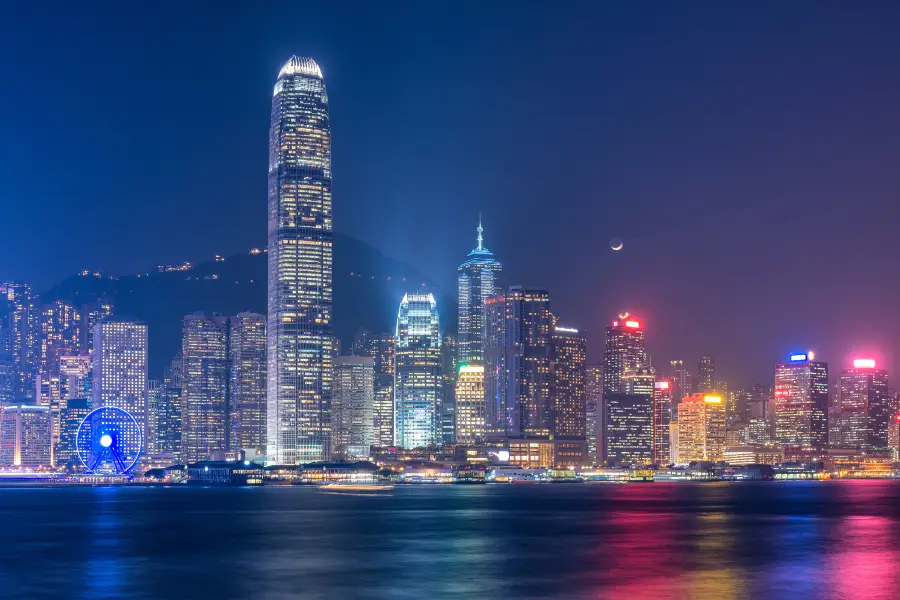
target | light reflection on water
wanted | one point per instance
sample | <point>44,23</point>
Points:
<point>829,540</point>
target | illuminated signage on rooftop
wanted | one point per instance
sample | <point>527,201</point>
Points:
<point>632,324</point>
<point>713,399</point>
<point>662,385</point>
<point>864,363</point>
<point>798,357</point>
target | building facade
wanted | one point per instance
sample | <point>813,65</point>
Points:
<point>477,281</point>
<point>417,376</point>
<point>801,402</point>
<point>629,428</point>
<point>21,322</point>
<point>300,341</point>
<point>701,428</point>
<point>354,406</point>
<point>25,436</point>
<point>470,405</point>
<point>205,387</point>
<point>624,352</point>
<point>247,401</point>
<point>706,374</point>
<point>381,349</point>
<point>568,390</point>
<point>594,411</point>
<point>662,422</point>
<point>864,412</point>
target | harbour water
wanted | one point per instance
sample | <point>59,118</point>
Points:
<point>771,540</point>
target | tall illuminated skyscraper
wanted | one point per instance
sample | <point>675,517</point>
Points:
<point>662,421</point>
<point>864,412</point>
<point>517,364</point>
<point>417,377</point>
<point>682,384</point>
<point>22,324</point>
<point>204,395</point>
<point>449,375</point>
<point>624,352</point>
<point>477,282</point>
<point>801,402</point>
<point>300,341</point>
<point>593,420</point>
<point>568,373</point>
<point>119,368</point>
<point>247,401</point>
<point>353,406</point>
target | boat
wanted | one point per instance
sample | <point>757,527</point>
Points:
<point>358,489</point>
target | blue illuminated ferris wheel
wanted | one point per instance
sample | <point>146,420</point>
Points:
<point>109,441</point>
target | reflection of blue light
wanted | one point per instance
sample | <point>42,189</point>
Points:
<point>797,357</point>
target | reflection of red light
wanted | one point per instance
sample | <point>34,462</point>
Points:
<point>632,324</point>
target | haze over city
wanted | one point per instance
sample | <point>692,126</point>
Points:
<point>740,152</point>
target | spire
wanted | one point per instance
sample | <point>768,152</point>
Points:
<point>480,231</point>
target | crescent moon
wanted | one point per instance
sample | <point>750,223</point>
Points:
<point>616,246</point>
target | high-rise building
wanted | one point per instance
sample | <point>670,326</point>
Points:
<point>682,383</point>
<point>470,405</point>
<point>477,281</point>
<point>568,390</point>
<point>71,416</point>
<point>205,386</point>
<point>156,410</point>
<point>119,369</point>
<point>662,421</point>
<point>593,420</point>
<point>91,314</point>
<point>517,364</point>
<point>171,422</point>
<point>60,336</point>
<point>300,342</point>
<point>417,376</point>
<point>701,428</point>
<point>247,409</point>
<point>449,373</point>
<point>894,437</point>
<point>706,374</point>
<point>20,319</point>
<point>353,407</point>
<point>864,407</point>
<point>381,348</point>
<point>629,428</point>
<point>25,436</point>
<point>624,352</point>
<point>801,402</point>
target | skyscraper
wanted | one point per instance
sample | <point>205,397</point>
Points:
<point>300,342</point>
<point>701,428</point>
<point>21,321</point>
<point>173,404</point>
<point>594,413</point>
<point>449,374</point>
<point>706,374</point>
<point>682,384</point>
<point>624,351</point>
<point>205,386</point>
<point>25,436</point>
<point>629,428</point>
<point>417,378</point>
<point>353,406</point>
<point>568,391</point>
<point>70,420</point>
<point>801,402</point>
<point>381,349</point>
<point>517,364</point>
<point>119,368</point>
<point>60,336</point>
<point>864,412</point>
<point>470,405</point>
<point>662,420</point>
<point>477,282</point>
<point>247,408</point>
<point>156,411</point>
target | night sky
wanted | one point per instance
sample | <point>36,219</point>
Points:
<point>747,155</point>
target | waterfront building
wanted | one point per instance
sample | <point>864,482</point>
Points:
<point>417,377</point>
<point>706,374</point>
<point>629,428</point>
<point>25,436</point>
<point>381,349</point>
<point>300,339</point>
<point>701,428</point>
<point>894,437</point>
<point>593,420</point>
<point>71,416</point>
<point>247,398</point>
<point>477,281</point>
<point>353,407</point>
<point>662,421</point>
<point>753,455</point>
<point>517,364</point>
<point>801,400</point>
<point>205,386</point>
<point>568,389</point>
<point>119,369</point>
<point>864,411</point>
<point>470,405</point>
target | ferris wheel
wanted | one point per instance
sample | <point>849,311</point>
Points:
<point>109,441</point>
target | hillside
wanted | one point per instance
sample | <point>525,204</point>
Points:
<point>367,298</point>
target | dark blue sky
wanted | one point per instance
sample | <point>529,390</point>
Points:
<point>747,154</point>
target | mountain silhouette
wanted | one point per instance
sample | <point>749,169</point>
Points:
<point>368,287</point>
